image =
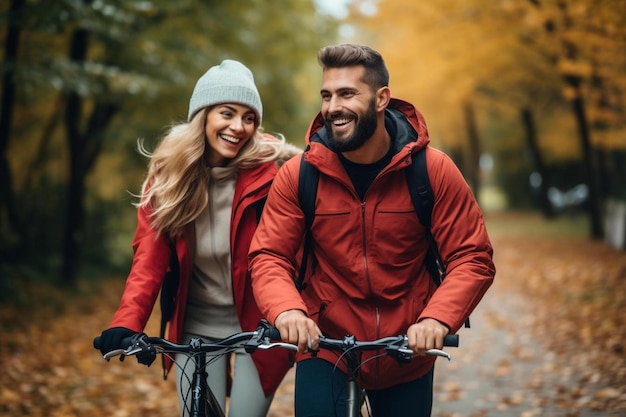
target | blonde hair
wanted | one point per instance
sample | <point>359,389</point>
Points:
<point>175,190</point>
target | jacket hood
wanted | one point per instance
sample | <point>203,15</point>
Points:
<point>401,117</point>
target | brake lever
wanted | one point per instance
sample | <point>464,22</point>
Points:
<point>267,346</point>
<point>399,353</point>
<point>131,350</point>
<point>107,356</point>
<point>439,352</point>
<point>259,338</point>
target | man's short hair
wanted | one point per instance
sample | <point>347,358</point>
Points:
<point>346,55</point>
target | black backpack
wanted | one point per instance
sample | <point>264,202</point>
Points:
<point>421,194</point>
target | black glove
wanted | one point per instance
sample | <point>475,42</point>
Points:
<point>111,339</point>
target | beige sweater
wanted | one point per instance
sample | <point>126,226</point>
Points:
<point>210,306</point>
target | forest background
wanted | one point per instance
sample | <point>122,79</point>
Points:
<point>527,96</point>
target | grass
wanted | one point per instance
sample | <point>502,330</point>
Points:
<point>533,225</point>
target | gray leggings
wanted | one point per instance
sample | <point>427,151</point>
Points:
<point>246,395</point>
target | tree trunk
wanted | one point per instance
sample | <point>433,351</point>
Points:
<point>84,148</point>
<point>533,145</point>
<point>595,201</point>
<point>7,196</point>
<point>473,167</point>
<point>573,81</point>
<point>74,215</point>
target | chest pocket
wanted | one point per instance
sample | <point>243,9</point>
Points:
<point>397,236</point>
<point>336,232</point>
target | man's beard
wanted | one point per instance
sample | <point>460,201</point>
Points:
<point>365,127</point>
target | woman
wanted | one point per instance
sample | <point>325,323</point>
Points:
<point>206,182</point>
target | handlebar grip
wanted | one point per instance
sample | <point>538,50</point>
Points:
<point>273,333</point>
<point>451,340</point>
<point>127,341</point>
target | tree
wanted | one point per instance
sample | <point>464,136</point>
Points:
<point>528,122</point>
<point>474,148</point>
<point>114,71</point>
<point>84,147</point>
<point>573,80</point>
<point>7,200</point>
<point>521,54</point>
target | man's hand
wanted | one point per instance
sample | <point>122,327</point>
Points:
<point>295,327</point>
<point>425,335</point>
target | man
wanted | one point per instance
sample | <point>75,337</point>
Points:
<point>367,276</point>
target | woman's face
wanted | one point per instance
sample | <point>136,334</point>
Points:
<point>228,128</point>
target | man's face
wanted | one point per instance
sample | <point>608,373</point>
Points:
<point>348,108</point>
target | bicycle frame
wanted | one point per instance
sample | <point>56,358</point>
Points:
<point>351,351</point>
<point>203,401</point>
<point>355,397</point>
<point>202,398</point>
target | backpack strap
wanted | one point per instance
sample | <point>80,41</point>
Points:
<point>167,300</point>
<point>258,207</point>
<point>307,192</point>
<point>169,288</point>
<point>423,199</point>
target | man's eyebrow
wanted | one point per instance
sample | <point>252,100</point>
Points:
<point>339,90</point>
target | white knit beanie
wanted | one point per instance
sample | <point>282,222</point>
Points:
<point>229,82</point>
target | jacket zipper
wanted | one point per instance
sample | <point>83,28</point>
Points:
<point>369,285</point>
<point>364,243</point>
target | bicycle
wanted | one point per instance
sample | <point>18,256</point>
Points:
<point>204,403</point>
<point>350,349</point>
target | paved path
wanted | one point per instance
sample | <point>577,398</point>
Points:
<point>499,370</point>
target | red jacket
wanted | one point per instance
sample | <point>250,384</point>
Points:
<point>151,261</point>
<point>368,277</point>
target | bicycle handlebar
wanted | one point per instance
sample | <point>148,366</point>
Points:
<point>394,346</point>
<point>261,338</point>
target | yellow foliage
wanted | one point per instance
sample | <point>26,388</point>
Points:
<point>506,54</point>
